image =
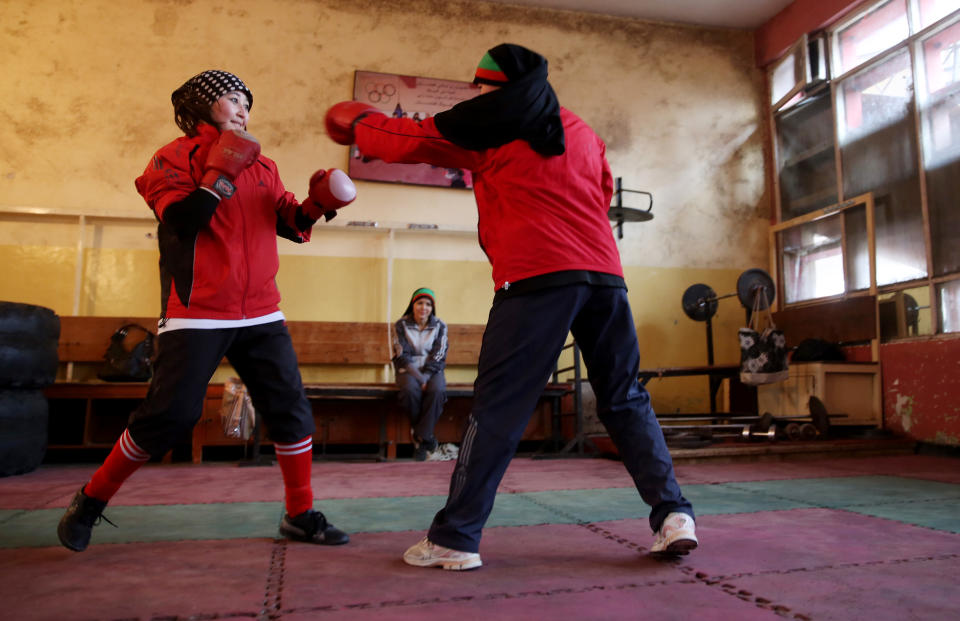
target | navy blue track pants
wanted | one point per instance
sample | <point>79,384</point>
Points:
<point>521,344</point>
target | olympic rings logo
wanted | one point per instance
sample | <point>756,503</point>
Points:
<point>380,93</point>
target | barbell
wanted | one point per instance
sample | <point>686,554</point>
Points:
<point>700,301</point>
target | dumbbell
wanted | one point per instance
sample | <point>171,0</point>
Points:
<point>755,434</point>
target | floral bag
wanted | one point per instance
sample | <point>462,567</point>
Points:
<point>763,352</point>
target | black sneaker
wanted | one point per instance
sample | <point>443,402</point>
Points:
<point>423,450</point>
<point>312,527</point>
<point>81,516</point>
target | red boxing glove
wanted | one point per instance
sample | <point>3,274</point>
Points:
<point>342,117</point>
<point>233,152</point>
<point>329,191</point>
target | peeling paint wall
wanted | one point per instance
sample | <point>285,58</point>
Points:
<point>87,88</point>
<point>921,389</point>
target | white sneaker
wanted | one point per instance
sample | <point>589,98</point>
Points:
<point>677,535</point>
<point>427,554</point>
<point>444,452</point>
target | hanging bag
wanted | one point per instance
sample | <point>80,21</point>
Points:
<point>236,411</point>
<point>763,353</point>
<point>123,365</point>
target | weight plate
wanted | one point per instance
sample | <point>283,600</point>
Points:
<point>699,302</point>
<point>819,414</point>
<point>750,282</point>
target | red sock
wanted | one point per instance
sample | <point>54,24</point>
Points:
<point>295,461</point>
<point>122,461</point>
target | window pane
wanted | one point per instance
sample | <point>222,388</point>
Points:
<point>878,154</point>
<point>939,60</point>
<point>905,313</point>
<point>812,260</point>
<point>933,10</point>
<point>948,294</point>
<point>787,74</point>
<point>808,172</point>
<point>857,249</point>
<point>870,34</point>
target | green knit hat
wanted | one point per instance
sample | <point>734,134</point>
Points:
<point>489,72</point>
<point>423,292</point>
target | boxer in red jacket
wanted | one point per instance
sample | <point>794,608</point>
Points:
<point>220,205</point>
<point>543,188</point>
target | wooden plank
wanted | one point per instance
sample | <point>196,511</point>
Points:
<point>340,342</point>
<point>465,341</point>
<point>85,339</point>
<point>842,321</point>
<point>719,370</point>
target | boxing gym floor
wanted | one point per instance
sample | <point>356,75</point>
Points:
<point>851,537</point>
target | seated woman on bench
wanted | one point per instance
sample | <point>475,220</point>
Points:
<point>419,358</point>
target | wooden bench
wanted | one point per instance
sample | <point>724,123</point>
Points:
<point>86,412</point>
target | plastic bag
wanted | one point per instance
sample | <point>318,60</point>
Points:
<point>236,413</point>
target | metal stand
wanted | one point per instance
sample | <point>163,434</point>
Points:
<point>620,214</point>
<point>578,445</point>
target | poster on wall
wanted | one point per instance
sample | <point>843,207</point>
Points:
<point>414,98</point>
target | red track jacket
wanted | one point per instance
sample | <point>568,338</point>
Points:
<point>234,258</point>
<point>537,214</point>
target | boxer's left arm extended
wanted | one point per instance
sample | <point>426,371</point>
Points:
<point>395,140</point>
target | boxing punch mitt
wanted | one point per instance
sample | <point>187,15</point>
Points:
<point>233,152</point>
<point>329,191</point>
<point>342,117</point>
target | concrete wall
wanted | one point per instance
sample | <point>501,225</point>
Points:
<point>87,100</point>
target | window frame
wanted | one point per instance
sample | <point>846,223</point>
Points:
<point>912,45</point>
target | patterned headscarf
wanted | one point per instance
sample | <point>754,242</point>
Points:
<point>212,85</point>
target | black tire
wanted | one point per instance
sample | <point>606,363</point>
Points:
<point>23,430</point>
<point>29,337</point>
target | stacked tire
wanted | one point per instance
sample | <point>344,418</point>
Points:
<point>28,362</point>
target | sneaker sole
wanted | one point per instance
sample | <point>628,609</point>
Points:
<point>68,545</point>
<point>291,536</point>
<point>446,564</point>
<point>680,547</point>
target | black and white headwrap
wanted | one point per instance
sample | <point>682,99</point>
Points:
<point>212,85</point>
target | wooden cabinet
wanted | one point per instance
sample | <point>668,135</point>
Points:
<point>848,388</point>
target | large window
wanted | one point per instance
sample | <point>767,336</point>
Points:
<point>877,136</point>
<point>888,126</point>
<point>939,60</point>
